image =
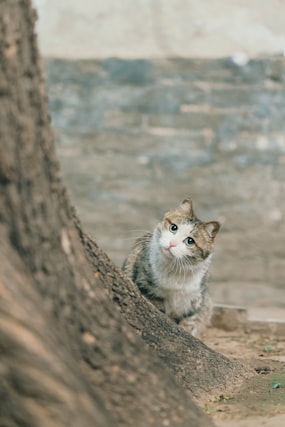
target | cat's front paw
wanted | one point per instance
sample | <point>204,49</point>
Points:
<point>191,326</point>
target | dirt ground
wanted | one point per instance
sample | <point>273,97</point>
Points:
<point>260,400</point>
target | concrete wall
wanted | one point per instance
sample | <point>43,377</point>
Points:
<point>157,28</point>
<point>136,137</point>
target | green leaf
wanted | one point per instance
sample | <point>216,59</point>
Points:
<point>275,385</point>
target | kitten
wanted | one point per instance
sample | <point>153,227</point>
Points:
<point>170,266</point>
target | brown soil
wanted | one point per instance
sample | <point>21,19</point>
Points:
<point>260,400</point>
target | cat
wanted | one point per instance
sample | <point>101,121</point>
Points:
<point>170,266</point>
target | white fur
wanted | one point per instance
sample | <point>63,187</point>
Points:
<point>178,282</point>
<point>180,250</point>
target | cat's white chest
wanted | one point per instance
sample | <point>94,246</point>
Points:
<point>180,294</point>
<point>178,304</point>
<point>186,283</point>
<point>180,285</point>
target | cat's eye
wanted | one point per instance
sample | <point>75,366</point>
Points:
<point>189,241</point>
<point>173,228</point>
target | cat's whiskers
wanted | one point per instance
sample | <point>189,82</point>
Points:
<point>181,268</point>
<point>186,266</point>
<point>178,268</point>
<point>171,267</point>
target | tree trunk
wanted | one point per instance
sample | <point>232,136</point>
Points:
<point>68,356</point>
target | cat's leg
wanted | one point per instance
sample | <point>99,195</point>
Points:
<point>200,320</point>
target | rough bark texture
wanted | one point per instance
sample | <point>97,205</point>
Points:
<point>195,366</point>
<point>67,355</point>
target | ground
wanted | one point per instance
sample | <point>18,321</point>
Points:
<point>260,400</point>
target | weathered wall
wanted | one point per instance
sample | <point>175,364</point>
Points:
<point>157,29</point>
<point>136,137</point>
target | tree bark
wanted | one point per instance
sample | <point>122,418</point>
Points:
<point>71,324</point>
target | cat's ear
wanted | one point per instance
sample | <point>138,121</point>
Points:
<point>212,228</point>
<point>187,208</point>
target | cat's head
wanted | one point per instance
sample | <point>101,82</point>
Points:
<point>181,234</point>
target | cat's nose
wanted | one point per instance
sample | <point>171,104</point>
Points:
<point>171,245</point>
